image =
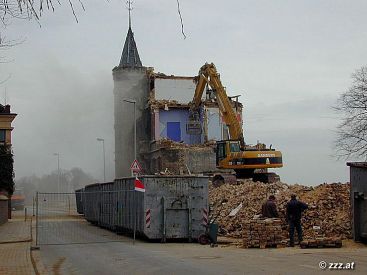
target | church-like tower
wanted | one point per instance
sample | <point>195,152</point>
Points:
<point>131,83</point>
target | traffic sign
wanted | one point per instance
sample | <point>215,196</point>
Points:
<point>135,167</point>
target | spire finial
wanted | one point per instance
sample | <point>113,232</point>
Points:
<point>129,7</point>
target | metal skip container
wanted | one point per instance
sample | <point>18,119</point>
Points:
<point>172,207</point>
<point>358,197</point>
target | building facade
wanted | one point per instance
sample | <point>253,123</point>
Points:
<point>6,170</point>
<point>6,119</point>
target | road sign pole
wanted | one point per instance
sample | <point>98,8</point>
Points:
<point>134,196</point>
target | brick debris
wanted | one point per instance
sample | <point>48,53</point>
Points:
<point>264,233</point>
<point>329,208</point>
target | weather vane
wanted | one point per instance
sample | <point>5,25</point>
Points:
<point>129,8</point>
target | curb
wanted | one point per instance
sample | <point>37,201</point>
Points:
<point>17,241</point>
<point>38,266</point>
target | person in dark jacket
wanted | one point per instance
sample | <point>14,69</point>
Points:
<point>269,208</point>
<point>294,214</point>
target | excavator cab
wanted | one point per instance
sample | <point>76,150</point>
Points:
<point>225,147</point>
<point>220,151</point>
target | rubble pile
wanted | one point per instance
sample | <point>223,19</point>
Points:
<point>165,142</point>
<point>263,233</point>
<point>164,103</point>
<point>329,208</point>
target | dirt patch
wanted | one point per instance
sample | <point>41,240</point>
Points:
<point>56,266</point>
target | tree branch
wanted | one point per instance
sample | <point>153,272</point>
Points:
<point>352,130</point>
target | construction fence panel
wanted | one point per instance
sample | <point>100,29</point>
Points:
<point>69,218</point>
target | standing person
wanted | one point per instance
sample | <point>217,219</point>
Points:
<point>294,214</point>
<point>269,208</point>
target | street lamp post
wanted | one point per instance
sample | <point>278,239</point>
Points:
<point>104,159</point>
<point>132,174</point>
<point>134,102</point>
<point>58,171</point>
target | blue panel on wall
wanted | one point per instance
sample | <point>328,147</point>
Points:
<point>174,131</point>
<point>181,116</point>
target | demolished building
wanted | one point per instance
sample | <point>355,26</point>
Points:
<point>173,148</point>
<point>162,113</point>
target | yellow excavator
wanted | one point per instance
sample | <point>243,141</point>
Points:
<point>247,161</point>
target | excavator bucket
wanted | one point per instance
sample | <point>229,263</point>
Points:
<point>193,126</point>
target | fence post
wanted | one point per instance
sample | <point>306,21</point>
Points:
<point>69,203</point>
<point>164,219</point>
<point>37,218</point>
<point>31,223</point>
<point>33,199</point>
<point>25,214</point>
<point>134,202</point>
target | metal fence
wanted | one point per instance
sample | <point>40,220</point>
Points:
<point>58,220</point>
<point>171,208</point>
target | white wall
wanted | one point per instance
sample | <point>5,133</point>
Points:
<point>181,90</point>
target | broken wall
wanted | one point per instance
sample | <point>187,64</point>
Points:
<point>169,103</point>
<point>176,92</point>
<point>173,160</point>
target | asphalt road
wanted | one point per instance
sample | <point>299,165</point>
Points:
<point>114,254</point>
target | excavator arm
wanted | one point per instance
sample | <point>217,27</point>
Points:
<point>208,75</point>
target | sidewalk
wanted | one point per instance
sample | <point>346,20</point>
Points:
<point>15,243</point>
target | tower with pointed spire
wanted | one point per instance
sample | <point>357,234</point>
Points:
<point>130,82</point>
<point>130,55</point>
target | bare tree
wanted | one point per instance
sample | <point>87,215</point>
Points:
<point>33,9</point>
<point>352,131</point>
<point>25,9</point>
<point>29,9</point>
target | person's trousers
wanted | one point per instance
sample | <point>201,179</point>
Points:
<point>295,225</point>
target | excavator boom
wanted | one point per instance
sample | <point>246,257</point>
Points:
<point>208,75</point>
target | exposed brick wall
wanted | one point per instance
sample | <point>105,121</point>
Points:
<point>198,160</point>
<point>3,211</point>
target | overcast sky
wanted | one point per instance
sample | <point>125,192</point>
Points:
<point>290,60</point>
